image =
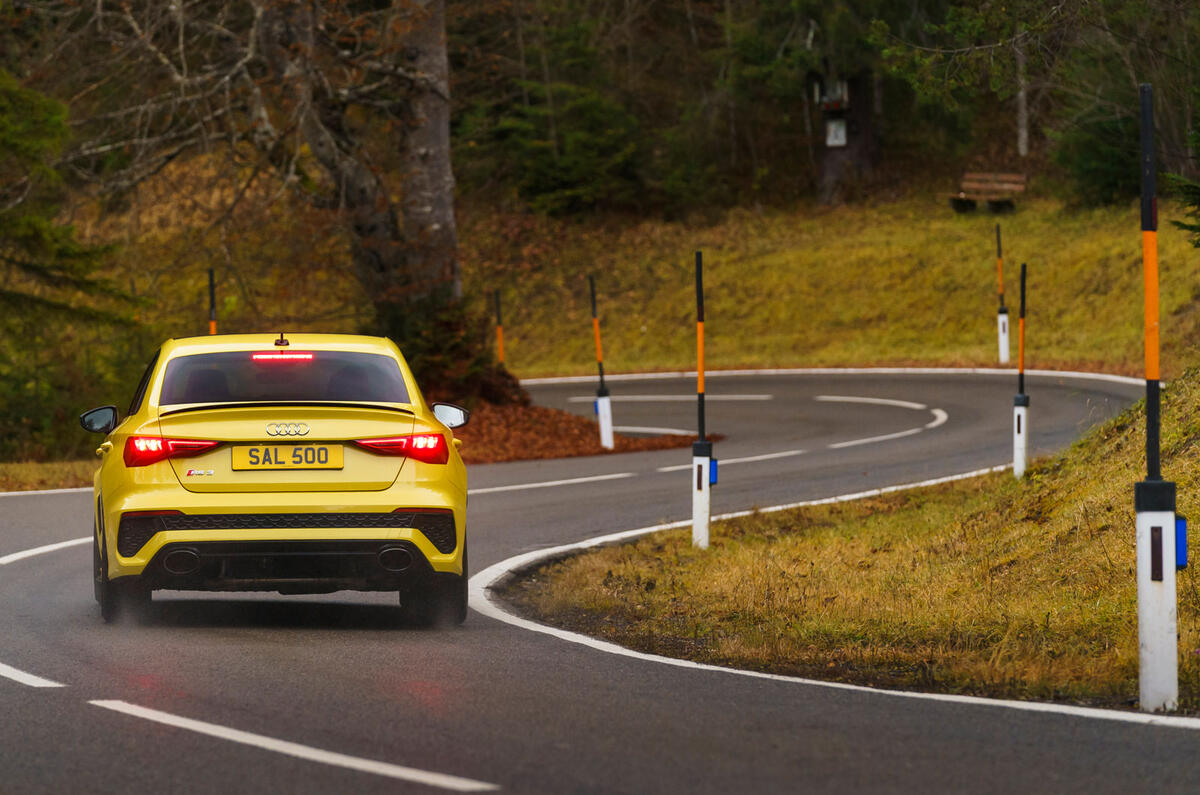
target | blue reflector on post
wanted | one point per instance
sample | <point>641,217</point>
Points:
<point>712,471</point>
<point>1180,542</point>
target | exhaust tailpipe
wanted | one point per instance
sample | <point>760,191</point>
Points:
<point>395,559</point>
<point>182,561</point>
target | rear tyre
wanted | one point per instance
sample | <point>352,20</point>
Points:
<point>118,598</point>
<point>443,602</point>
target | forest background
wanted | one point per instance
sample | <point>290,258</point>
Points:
<point>582,132</point>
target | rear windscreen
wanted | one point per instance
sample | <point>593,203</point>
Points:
<point>281,376</point>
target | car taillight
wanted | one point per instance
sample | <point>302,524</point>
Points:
<point>429,448</point>
<point>142,451</point>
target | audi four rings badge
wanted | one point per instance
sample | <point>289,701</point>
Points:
<point>287,429</point>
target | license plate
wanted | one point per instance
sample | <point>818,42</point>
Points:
<point>287,456</point>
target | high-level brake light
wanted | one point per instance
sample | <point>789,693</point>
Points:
<point>282,356</point>
<point>142,451</point>
<point>429,448</point>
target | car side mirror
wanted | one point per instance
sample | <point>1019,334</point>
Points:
<point>450,415</point>
<point>101,420</point>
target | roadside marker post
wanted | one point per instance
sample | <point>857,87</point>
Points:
<point>702,460</point>
<point>212,302</point>
<point>1154,498</point>
<point>603,401</point>
<point>1002,313</point>
<point>1021,401</point>
<point>499,329</point>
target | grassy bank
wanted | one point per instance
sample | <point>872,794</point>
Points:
<point>894,283</point>
<point>990,586</point>
<point>30,475</point>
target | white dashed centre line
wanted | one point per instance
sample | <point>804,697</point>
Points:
<point>8,672</point>
<point>670,398</point>
<point>299,751</point>
<point>547,483</point>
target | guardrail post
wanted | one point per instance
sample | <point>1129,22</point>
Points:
<point>702,448</point>
<point>212,302</point>
<point>1154,498</point>
<point>1021,401</point>
<point>1002,312</point>
<point>603,401</point>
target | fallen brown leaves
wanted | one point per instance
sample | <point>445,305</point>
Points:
<point>517,433</point>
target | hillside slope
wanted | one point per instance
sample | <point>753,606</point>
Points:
<point>992,586</point>
<point>893,283</point>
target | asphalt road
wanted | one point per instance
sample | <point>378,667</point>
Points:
<point>526,712</point>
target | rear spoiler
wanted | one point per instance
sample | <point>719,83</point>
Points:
<point>272,404</point>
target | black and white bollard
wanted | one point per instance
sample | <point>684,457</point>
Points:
<point>1002,312</point>
<point>702,460</point>
<point>1158,638</point>
<point>1154,498</point>
<point>1020,434</point>
<point>603,400</point>
<point>1021,401</point>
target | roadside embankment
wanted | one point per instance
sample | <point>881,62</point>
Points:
<point>989,586</point>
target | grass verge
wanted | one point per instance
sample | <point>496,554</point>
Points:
<point>990,586</point>
<point>34,475</point>
<point>894,283</point>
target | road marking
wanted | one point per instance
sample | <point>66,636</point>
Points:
<point>484,604</point>
<point>939,417</point>
<point>663,431</point>
<point>745,460</point>
<point>675,374</point>
<point>299,751</point>
<point>872,439</point>
<point>29,553</point>
<point>44,491</point>
<point>670,398</point>
<point>904,404</point>
<point>548,483</point>
<point>8,672</point>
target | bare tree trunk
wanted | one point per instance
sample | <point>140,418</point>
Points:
<point>519,14</point>
<point>1022,102</point>
<point>548,83</point>
<point>729,76</point>
<point>428,183</point>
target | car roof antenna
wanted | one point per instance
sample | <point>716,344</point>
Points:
<point>281,341</point>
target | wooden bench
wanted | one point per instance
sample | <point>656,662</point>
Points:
<point>998,190</point>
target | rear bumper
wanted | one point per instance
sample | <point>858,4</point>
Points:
<point>289,566</point>
<point>310,517</point>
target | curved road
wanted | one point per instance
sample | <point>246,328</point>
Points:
<point>307,694</point>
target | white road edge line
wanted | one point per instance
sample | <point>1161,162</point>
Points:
<point>44,491</point>
<point>547,483</point>
<point>8,672</point>
<point>904,404</point>
<point>29,553</point>
<point>583,379</point>
<point>644,429</point>
<point>670,398</point>
<point>744,460</point>
<point>483,603</point>
<point>442,780</point>
<point>939,417</point>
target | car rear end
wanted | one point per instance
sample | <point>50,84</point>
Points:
<point>302,468</point>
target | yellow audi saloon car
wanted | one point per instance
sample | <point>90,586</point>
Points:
<point>306,463</point>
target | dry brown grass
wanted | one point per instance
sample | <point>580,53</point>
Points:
<point>992,586</point>
<point>30,475</point>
